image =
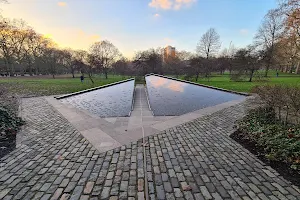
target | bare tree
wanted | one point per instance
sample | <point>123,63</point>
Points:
<point>140,63</point>
<point>82,61</point>
<point>121,66</point>
<point>31,50</point>
<point>148,61</point>
<point>184,55</point>
<point>227,55</point>
<point>173,65</point>
<point>195,67</point>
<point>246,62</point>
<point>154,60</point>
<point>290,9</point>
<point>68,60</point>
<point>12,37</point>
<point>268,34</point>
<point>103,55</point>
<point>52,59</point>
<point>222,64</point>
<point>201,67</point>
<point>209,43</point>
<point>286,54</point>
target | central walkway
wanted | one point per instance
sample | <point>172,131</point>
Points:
<point>141,102</point>
<point>109,133</point>
<point>195,160</point>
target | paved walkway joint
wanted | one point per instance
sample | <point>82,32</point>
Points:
<point>195,160</point>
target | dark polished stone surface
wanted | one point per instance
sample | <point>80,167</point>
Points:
<point>112,101</point>
<point>171,97</point>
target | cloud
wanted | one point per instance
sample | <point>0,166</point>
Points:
<point>164,4</point>
<point>171,4</point>
<point>244,32</point>
<point>180,3</point>
<point>62,4</point>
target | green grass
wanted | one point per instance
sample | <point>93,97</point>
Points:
<point>223,81</point>
<point>271,73</point>
<point>38,86</point>
<point>244,86</point>
<point>45,85</point>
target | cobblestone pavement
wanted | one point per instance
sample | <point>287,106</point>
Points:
<point>196,160</point>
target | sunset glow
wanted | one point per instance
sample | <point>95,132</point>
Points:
<point>138,25</point>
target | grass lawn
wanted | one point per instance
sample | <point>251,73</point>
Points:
<point>45,85</point>
<point>63,84</point>
<point>223,81</point>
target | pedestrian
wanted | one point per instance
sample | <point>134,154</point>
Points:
<point>82,78</point>
<point>277,74</point>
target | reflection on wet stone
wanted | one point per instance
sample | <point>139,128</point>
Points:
<point>171,97</point>
<point>112,101</point>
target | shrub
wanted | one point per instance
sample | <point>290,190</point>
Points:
<point>237,76</point>
<point>9,123</point>
<point>279,142</point>
<point>9,120</point>
<point>285,100</point>
<point>139,79</point>
<point>259,76</point>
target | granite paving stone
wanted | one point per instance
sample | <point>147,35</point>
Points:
<point>195,160</point>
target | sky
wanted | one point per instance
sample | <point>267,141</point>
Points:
<point>134,25</point>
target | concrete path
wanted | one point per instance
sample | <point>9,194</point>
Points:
<point>195,160</point>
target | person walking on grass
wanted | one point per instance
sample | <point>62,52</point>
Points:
<point>82,78</point>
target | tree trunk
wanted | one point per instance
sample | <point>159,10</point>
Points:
<point>11,69</point>
<point>267,70</point>
<point>72,71</point>
<point>251,75</point>
<point>90,77</point>
<point>105,72</point>
<point>298,69</point>
<point>36,71</point>
<point>29,69</point>
<point>22,70</point>
<point>53,76</point>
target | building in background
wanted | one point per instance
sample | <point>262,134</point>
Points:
<point>168,51</point>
